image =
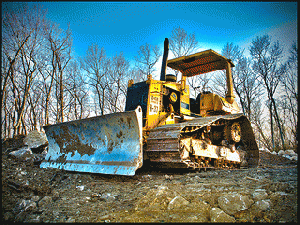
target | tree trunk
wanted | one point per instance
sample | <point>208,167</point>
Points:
<point>278,123</point>
<point>272,130</point>
<point>61,98</point>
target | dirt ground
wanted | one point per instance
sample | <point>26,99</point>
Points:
<point>32,194</point>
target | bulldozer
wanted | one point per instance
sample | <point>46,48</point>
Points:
<point>161,125</point>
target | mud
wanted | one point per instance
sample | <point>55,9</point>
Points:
<point>70,142</point>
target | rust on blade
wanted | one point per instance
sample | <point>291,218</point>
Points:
<point>110,144</point>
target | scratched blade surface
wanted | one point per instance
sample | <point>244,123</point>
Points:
<point>109,144</point>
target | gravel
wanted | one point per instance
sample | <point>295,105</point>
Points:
<point>32,194</point>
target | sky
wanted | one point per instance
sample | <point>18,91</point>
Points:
<point>125,26</point>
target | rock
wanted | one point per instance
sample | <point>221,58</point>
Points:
<point>156,199</point>
<point>38,158</point>
<point>35,140</point>
<point>147,177</point>
<point>279,194</point>
<point>11,144</point>
<point>70,220</point>
<point>80,188</point>
<point>274,153</point>
<point>280,186</point>
<point>259,207</point>
<point>290,152</point>
<point>44,202</point>
<point>25,205</point>
<point>168,177</point>
<point>26,154</point>
<point>234,202</point>
<point>287,156</point>
<point>55,195</point>
<point>202,209</point>
<point>262,205</point>
<point>94,197</point>
<point>35,219</point>
<point>281,152</point>
<point>35,198</point>
<point>21,216</point>
<point>23,154</point>
<point>295,158</point>
<point>107,197</point>
<point>243,156</point>
<point>219,216</point>
<point>104,217</point>
<point>30,205</point>
<point>177,203</point>
<point>284,206</point>
<point>259,194</point>
<point>245,216</point>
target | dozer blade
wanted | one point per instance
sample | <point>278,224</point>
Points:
<point>109,144</point>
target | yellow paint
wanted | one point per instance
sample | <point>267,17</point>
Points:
<point>185,99</point>
<point>154,101</point>
<point>213,103</point>
<point>157,89</point>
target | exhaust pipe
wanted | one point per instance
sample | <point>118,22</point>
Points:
<point>164,61</point>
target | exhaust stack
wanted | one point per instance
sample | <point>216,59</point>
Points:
<point>164,60</point>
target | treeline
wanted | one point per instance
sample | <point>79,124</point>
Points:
<point>43,83</point>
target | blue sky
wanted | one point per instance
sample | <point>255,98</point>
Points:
<point>125,26</point>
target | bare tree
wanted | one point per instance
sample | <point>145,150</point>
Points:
<point>34,103</point>
<point>36,53</point>
<point>96,66</point>
<point>267,64</point>
<point>248,87</point>
<point>182,43</point>
<point>289,99</point>
<point>234,53</point>
<point>146,59</point>
<point>47,70</point>
<point>259,122</point>
<point>76,87</point>
<point>61,45</point>
<point>118,80</point>
<point>135,74</point>
<point>21,45</point>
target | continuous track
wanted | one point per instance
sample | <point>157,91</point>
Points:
<point>206,142</point>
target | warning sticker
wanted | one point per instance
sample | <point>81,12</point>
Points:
<point>154,105</point>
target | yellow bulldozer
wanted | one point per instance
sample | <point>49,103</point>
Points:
<point>161,125</point>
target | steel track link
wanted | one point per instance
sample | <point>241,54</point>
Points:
<point>165,145</point>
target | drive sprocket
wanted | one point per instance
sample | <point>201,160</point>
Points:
<point>233,132</point>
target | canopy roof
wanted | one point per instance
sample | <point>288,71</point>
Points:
<point>199,63</point>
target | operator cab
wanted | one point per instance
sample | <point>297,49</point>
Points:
<point>207,103</point>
